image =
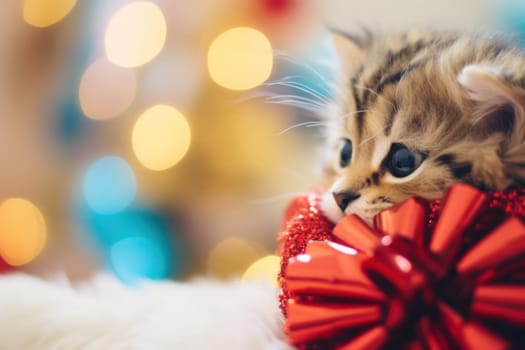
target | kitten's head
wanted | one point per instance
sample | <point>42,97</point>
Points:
<point>419,112</point>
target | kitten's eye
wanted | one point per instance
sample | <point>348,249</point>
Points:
<point>402,161</point>
<point>346,153</point>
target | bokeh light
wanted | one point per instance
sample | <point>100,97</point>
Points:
<point>231,257</point>
<point>511,16</point>
<point>240,58</point>
<point>22,231</point>
<point>109,185</point>
<point>161,137</point>
<point>265,269</point>
<point>138,258</point>
<point>263,153</point>
<point>138,236</point>
<point>135,34</point>
<point>106,90</point>
<point>44,13</point>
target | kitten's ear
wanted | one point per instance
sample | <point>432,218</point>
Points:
<point>499,102</point>
<point>351,50</point>
<point>498,97</point>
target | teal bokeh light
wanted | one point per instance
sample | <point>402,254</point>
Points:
<point>134,259</point>
<point>109,185</point>
<point>510,15</point>
<point>137,243</point>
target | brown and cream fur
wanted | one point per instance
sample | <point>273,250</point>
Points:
<point>456,99</point>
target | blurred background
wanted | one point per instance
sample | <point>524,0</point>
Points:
<point>162,139</point>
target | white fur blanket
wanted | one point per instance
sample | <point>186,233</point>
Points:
<point>43,315</point>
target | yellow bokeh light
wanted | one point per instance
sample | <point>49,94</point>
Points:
<point>161,137</point>
<point>265,269</point>
<point>231,257</point>
<point>22,231</point>
<point>44,13</point>
<point>106,90</point>
<point>135,34</point>
<point>240,58</point>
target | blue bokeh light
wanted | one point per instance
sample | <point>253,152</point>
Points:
<point>137,243</point>
<point>135,259</point>
<point>510,14</point>
<point>109,185</point>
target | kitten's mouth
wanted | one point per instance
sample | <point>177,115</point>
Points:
<point>332,211</point>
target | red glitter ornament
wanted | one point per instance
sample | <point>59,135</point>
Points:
<point>446,274</point>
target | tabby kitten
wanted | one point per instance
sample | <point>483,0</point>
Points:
<point>419,112</point>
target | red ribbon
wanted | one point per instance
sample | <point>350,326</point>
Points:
<point>426,276</point>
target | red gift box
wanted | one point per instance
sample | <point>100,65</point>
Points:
<point>445,274</point>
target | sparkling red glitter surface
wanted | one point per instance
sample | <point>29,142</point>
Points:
<point>304,222</point>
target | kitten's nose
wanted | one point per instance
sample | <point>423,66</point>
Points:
<point>344,198</point>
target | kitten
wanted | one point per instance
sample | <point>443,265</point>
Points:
<point>419,112</point>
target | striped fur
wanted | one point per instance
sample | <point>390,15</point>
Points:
<point>457,99</point>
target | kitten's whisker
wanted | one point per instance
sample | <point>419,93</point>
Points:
<point>294,97</point>
<point>299,125</point>
<point>292,59</point>
<point>289,100</point>
<point>294,79</point>
<point>298,104</point>
<point>293,102</point>
<point>283,55</point>
<point>301,87</point>
<point>271,95</point>
<point>333,86</point>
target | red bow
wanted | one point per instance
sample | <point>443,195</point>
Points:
<point>422,278</point>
